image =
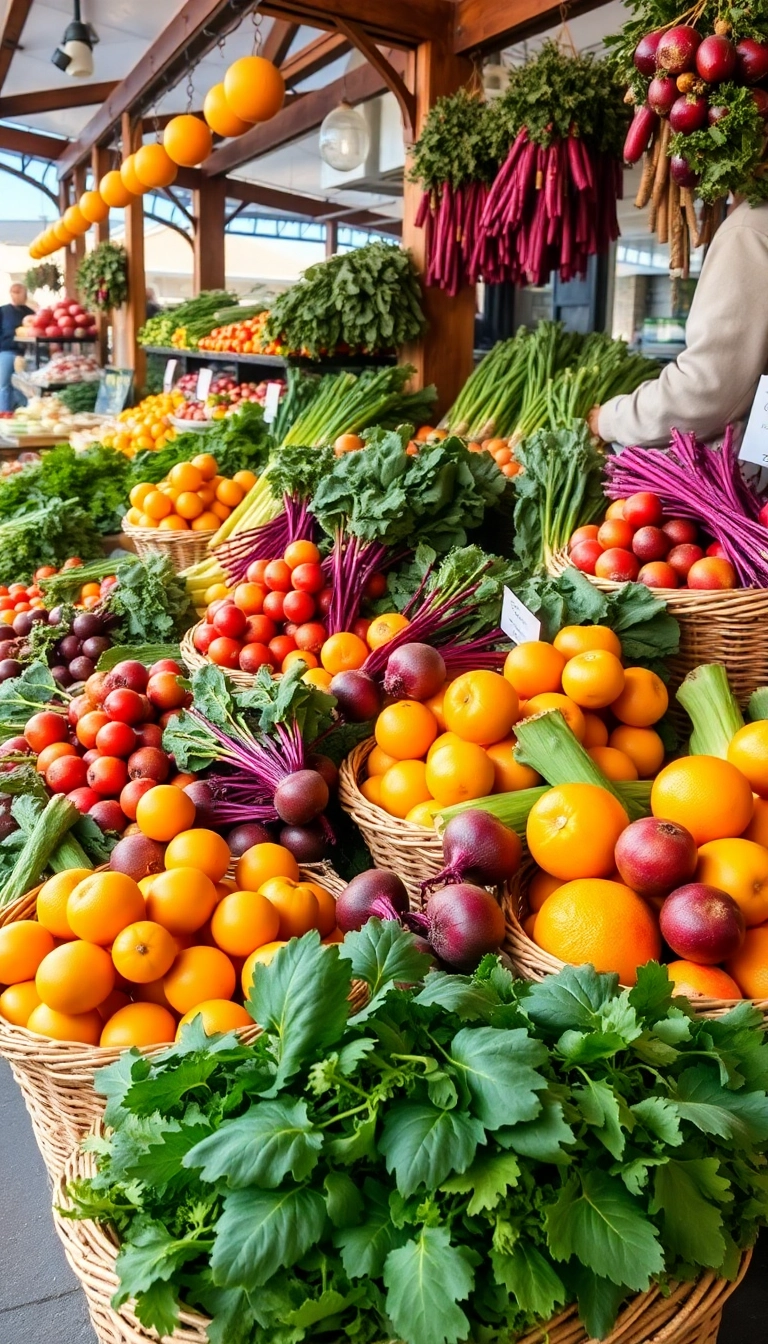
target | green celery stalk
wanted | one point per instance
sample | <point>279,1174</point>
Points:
<point>758,704</point>
<point>512,808</point>
<point>547,745</point>
<point>712,708</point>
<point>57,818</point>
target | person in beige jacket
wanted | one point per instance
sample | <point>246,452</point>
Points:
<point>713,382</point>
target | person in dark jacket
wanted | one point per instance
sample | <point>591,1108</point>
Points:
<point>11,316</point>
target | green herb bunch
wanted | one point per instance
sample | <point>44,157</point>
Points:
<point>462,140</point>
<point>47,535</point>
<point>45,276</point>
<point>149,602</point>
<point>560,93</point>
<point>102,277</point>
<point>201,314</point>
<point>728,155</point>
<point>456,1161</point>
<point>97,479</point>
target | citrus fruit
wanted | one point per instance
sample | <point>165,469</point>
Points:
<point>296,904</point>
<point>748,751</point>
<point>480,707</point>
<point>403,787</point>
<point>112,1004</point>
<point>707,795</point>
<point>261,957</point>
<point>18,1001</point>
<point>693,980</point>
<point>143,952</point>
<point>379,761</point>
<point>460,771</point>
<point>595,731</point>
<point>534,666</point>
<point>371,789</point>
<point>435,704</point>
<point>593,679</point>
<point>181,899</point>
<point>138,1024</point>
<point>254,89</point>
<point>113,190</point>
<point>75,977</point>
<point>164,811</point>
<point>103,904</point>
<point>384,628</point>
<point>540,887</point>
<point>343,652</point>
<point>219,114</point>
<point>52,900</point>
<point>739,867</point>
<point>187,140</point>
<point>757,829</point>
<point>443,740</point>
<point>615,764</point>
<point>153,167</point>
<point>603,923</point>
<point>23,945</point>
<point>571,712</point>
<point>199,973</point>
<point>643,700</point>
<point>643,746</point>
<point>509,775</point>
<point>423,814</point>
<point>84,1028</point>
<point>200,849</point>
<point>575,639</point>
<point>218,1015</point>
<point>572,830</point>
<point>242,921</point>
<point>261,862</point>
<point>749,967</point>
<point>406,729</point>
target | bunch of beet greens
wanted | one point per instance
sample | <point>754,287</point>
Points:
<point>293,474</point>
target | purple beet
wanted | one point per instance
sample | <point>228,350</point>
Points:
<point>716,113</point>
<point>414,672</point>
<point>645,52</point>
<point>662,94</point>
<point>69,648</point>
<point>308,844</point>
<point>81,668</point>
<point>702,923</point>
<point>201,796</point>
<point>760,99</point>
<point>681,172</point>
<point>688,113</point>
<point>9,667</point>
<point>463,923</point>
<point>6,633</point>
<point>301,797</point>
<point>478,848</point>
<point>358,696</point>
<point>245,836</point>
<point>354,906</point>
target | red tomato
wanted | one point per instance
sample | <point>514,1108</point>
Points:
<point>66,774</point>
<point>224,652</point>
<point>165,665</point>
<point>126,706</point>
<point>253,656</point>
<point>311,637</point>
<point>324,599</point>
<point>249,597</point>
<point>259,630</point>
<point>165,692</point>
<point>277,577</point>
<point>116,739</point>
<point>585,556</point>
<point>281,646</point>
<point>586,533</point>
<point>643,510</point>
<point>618,565</point>
<point>130,795</point>
<point>83,798</point>
<point>308,578</point>
<point>44,728</point>
<point>6,604</point>
<point>274,605</point>
<point>299,607</point>
<point>256,571</point>
<point>108,776</point>
<point>203,636</point>
<point>230,621</point>
<point>616,533</point>
<point>79,706</point>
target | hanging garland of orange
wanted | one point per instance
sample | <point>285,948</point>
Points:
<point>187,140</point>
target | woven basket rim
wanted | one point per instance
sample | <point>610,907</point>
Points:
<point>167,538</point>
<point>685,597</point>
<point>196,660</point>
<point>350,769</point>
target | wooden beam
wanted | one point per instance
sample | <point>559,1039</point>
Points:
<point>313,57</point>
<point>492,24</point>
<point>70,264</point>
<point>78,187</point>
<point>394,81</point>
<point>159,122</point>
<point>33,143</point>
<point>331,238</point>
<point>16,15</point>
<point>278,41</point>
<point>209,209</point>
<point>53,100</point>
<point>403,23</point>
<point>298,118</point>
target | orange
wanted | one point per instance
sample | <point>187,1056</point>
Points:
<point>343,653</point>
<point>205,463</point>
<point>508,774</point>
<point>261,957</point>
<point>371,789</point>
<point>296,552</point>
<point>18,1001</point>
<point>533,667</point>
<point>435,704</point>
<point>112,1004</point>
<point>93,207</point>
<point>219,1015</point>
<point>154,992</point>
<point>85,1028</point>
<point>52,901</point>
<point>173,523</point>
<point>708,796</point>
<point>242,921</point>
<point>595,731</point>
<point>189,505</point>
<point>326,916</point>
<point>748,751</point>
<point>143,952</point>
<point>572,830</point>
<point>573,715</point>
<point>643,746</point>
<point>186,476</point>
<point>199,973</point>
<point>540,887</point>
<point>603,923</point>
<point>442,740</point>
<point>593,679</point>
<point>181,899</point>
<point>423,814</point>
<point>230,493</point>
<point>296,904</point>
<point>261,862</point>
<point>749,966</point>
<point>23,945</point>
<point>575,639</point>
<point>138,1024</point>
<point>379,761</point>
<point>153,166</point>
<point>75,977</point>
<point>384,628</point>
<point>254,89</point>
<point>406,730</point>
<point>403,787</point>
<point>739,867</point>
<point>201,849</point>
<point>187,140</point>
<point>103,904</point>
<point>75,220</point>
<point>643,700</point>
<point>615,764</point>
<point>480,707</point>
<point>459,772</point>
<point>128,174</point>
<point>164,811</point>
<point>693,980</point>
<point>317,676</point>
<point>757,829</point>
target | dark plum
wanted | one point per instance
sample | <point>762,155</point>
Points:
<point>95,645</point>
<point>308,844</point>
<point>69,648</point>
<point>301,797</point>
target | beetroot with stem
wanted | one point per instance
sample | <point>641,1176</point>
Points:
<point>414,672</point>
<point>478,848</point>
<point>662,94</point>
<point>358,695</point>
<point>301,797</point>
<point>355,905</point>
<point>462,924</point>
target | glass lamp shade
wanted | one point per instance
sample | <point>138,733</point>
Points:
<point>344,139</point>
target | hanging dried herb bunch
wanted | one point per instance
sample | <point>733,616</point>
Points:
<point>102,277</point>
<point>45,276</point>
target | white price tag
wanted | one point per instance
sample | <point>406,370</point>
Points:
<point>754,445</point>
<point>517,621</point>
<point>168,376</point>
<point>204,380</point>
<point>272,401</point>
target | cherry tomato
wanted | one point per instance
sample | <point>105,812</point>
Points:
<point>376,586</point>
<point>230,621</point>
<point>277,576</point>
<point>126,706</point>
<point>259,630</point>
<point>203,637</point>
<point>308,578</point>
<point>116,739</point>
<point>274,606</point>
<point>281,646</point>
<point>108,776</point>
<point>256,571</point>
<point>299,607</point>
<point>44,728</point>
<point>223,652</point>
<point>253,656</point>
<point>311,636</point>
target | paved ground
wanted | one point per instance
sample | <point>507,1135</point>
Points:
<point>40,1302</point>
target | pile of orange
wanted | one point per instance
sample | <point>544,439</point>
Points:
<point>501,451</point>
<point>146,425</point>
<point>114,962</point>
<point>193,497</point>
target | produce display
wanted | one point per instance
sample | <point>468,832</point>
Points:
<point>66,368</point>
<point>193,497</point>
<point>177,326</point>
<point>225,397</point>
<point>67,321</point>
<point>246,336</point>
<point>146,425</point>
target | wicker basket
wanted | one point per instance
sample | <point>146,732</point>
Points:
<point>195,660</point>
<point>182,548</point>
<point>715,627</point>
<point>689,1314</point>
<point>56,1077</point>
<point>413,852</point>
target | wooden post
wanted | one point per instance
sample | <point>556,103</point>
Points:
<point>78,182</point>
<point>444,354</point>
<point>331,237</point>
<point>70,260</point>
<point>209,209</point>
<point>128,352</point>
<point>100,163</point>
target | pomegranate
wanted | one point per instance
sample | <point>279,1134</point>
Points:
<point>662,94</point>
<point>716,59</point>
<point>677,49</point>
<point>681,172</point>
<point>751,61</point>
<point>654,856</point>
<point>702,923</point>
<point>688,114</point>
<point>645,52</point>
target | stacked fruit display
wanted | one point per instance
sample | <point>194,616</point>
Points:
<point>67,320</point>
<point>193,497</point>
<point>241,338</point>
<point>636,543</point>
<point>128,956</point>
<point>502,451</point>
<point>73,657</point>
<point>144,426</point>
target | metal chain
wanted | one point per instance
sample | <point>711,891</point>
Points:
<point>256,20</point>
<point>190,90</point>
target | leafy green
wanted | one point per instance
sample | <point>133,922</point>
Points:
<point>559,90</point>
<point>102,277</point>
<point>459,142</point>
<point>559,488</point>
<point>149,602</point>
<point>238,442</point>
<point>48,535</point>
<point>97,479</point>
<point>23,696</point>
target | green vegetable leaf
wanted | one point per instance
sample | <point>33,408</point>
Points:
<point>425,1280</point>
<point>692,1222</point>
<point>499,1068</point>
<point>601,1109</point>
<point>262,1230</point>
<point>530,1279</point>
<point>659,1117</point>
<point>328,1304</point>
<point>343,1199</point>
<point>150,1255</point>
<point>599,1300</point>
<point>261,1147</point>
<point>458,994</point>
<point>651,997</point>
<point>595,1219</point>
<point>365,1248</point>
<point>384,955</point>
<point>740,1118</point>
<point>233,1316</point>
<point>158,1307</point>
<point>423,1144</point>
<point>487,1181</point>
<point>542,1138</point>
<point>570,1000</point>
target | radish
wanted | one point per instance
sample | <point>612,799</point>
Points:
<point>681,172</point>
<point>677,49</point>
<point>645,52</point>
<point>716,59</point>
<point>375,887</point>
<point>479,848</point>
<point>688,114</point>
<point>414,672</point>
<point>662,93</point>
<point>639,133</point>
<point>462,923</point>
<point>751,61</point>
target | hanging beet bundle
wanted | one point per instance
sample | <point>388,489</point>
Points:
<point>454,159</point>
<point>696,81</point>
<point>553,202</point>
